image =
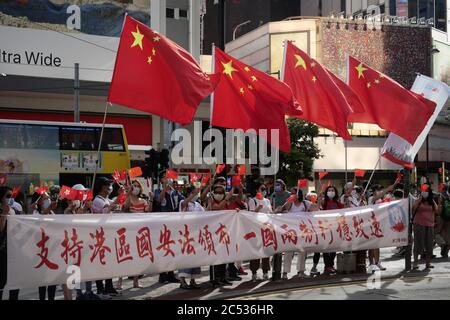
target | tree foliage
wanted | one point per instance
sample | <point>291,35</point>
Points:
<point>298,164</point>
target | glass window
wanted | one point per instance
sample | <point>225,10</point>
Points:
<point>12,136</point>
<point>73,138</point>
<point>42,137</point>
<point>112,140</point>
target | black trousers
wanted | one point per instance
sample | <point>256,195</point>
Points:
<point>328,259</point>
<point>50,291</point>
<point>104,288</point>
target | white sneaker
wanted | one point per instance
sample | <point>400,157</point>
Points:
<point>284,276</point>
<point>301,274</point>
<point>381,267</point>
<point>265,276</point>
<point>254,278</point>
<point>373,268</point>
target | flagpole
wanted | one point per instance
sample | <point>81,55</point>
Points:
<point>100,144</point>
<point>371,176</point>
<point>283,63</point>
<point>211,102</point>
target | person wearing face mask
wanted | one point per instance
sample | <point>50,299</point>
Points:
<point>424,211</point>
<point>259,203</point>
<point>330,202</point>
<point>6,201</point>
<point>295,205</point>
<point>135,203</point>
<point>167,199</point>
<point>280,195</point>
<point>443,225</point>
<point>43,206</point>
<point>379,194</point>
<point>103,205</point>
<point>190,204</point>
<point>218,201</point>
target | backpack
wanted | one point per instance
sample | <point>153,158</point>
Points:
<point>445,215</point>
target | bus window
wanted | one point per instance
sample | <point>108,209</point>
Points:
<point>73,138</point>
<point>112,140</point>
<point>12,136</point>
<point>42,137</point>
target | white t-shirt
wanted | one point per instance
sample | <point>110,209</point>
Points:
<point>101,205</point>
<point>193,207</point>
<point>17,206</point>
<point>304,206</point>
<point>265,203</point>
<point>11,211</point>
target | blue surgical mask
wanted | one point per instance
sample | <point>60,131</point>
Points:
<point>264,193</point>
<point>10,201</point>
<point>46,204</point>
<point>278,188</point>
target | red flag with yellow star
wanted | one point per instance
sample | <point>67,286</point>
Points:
<point>155,75</point>
<point>326,100</point>
<point>247,98</point>
<point>387,103</point>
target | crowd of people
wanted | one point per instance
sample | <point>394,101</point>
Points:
<point>430,216</point>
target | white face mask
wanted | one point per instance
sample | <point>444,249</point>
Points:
<point>424,195</point>
<point>331,194</point>
<point>136,191</point>
<point>46,204</point>
<point>110,189</point>
<point>219,197</point>
<point>10,201</point>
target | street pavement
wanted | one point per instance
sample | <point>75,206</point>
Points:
<point>155,290</point>
<point>431,286</point>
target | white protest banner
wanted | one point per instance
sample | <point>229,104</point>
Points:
<point>41,249</point>
<point>397,149</point>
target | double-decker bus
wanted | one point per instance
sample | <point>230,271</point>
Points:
<point>36,153</point>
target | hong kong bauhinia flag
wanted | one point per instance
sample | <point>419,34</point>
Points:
<point>247,98</point>
<point>325,99</point>
<point>155,75</point>
<point>387,103</point>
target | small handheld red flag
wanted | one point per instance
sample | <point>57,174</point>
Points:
<point>322,174</point>
<point>206,178</point>
<point>41,190</point>
<point>292,198</point>
<point>220,168</point>
<point>135,172</point>
<point>302,183</point>
<point>15,192</point>
<point>360,173</point>
<point>121,198</point>
<point>441,187</point>
<point>259,196</point>
<point>171,174</point>
<point>424,188</point>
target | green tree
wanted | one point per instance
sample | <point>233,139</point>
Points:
<point>298,164</point>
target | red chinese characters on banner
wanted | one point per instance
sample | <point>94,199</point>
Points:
<point>166,242</point>
<point>144,244</point>
<point>123,250</point>
<point>358,224</point>
<point>269,236</point>
<point>99,248</point>
<point>343,229</point>
<point>224,237</point>
<point>43,254</point>
<point>73,248</point>
<point>205,239</point>
<point>289,235</point>
<point>308,233</point>
<point>324,227</point>
<point>186,242</point>
<point>375,226</point>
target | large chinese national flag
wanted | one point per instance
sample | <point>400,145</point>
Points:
<point>387,103</point>
<point>155,75</point>
<point>247,98</point>
<point>325,99</point>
